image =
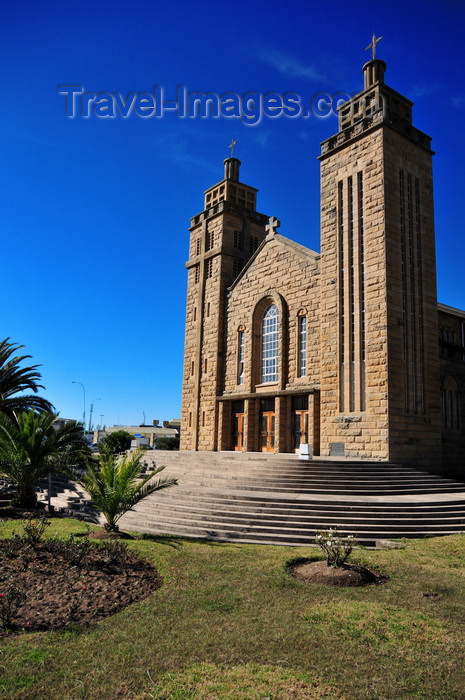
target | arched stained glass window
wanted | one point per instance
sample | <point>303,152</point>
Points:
<point>270,344</point>
<point>241,355</point>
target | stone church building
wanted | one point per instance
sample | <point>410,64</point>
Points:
<point>346,350</point>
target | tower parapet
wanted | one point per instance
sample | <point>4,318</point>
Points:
<point>377,104</point>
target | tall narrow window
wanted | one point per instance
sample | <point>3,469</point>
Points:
<point>240,357</point>
<point>209,267</point>
<point>302,360</point>
<point>209,240</point>
<point>270,345</point>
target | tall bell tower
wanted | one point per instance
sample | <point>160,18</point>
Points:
<point>222,239</point>
<point>378,282</point>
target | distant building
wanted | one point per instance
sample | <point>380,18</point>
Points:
<point>148,433</point>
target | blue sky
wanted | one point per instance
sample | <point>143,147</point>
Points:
<point>95,212</point>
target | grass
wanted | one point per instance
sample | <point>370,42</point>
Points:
<point>230,624</point>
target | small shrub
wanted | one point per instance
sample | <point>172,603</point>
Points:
<point>34,529</point>
<point>11,598</point>
<point>336,548</point>
<point>114,552</point>
<point>75,551</point>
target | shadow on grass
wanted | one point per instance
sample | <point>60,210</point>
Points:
<point>177,541</point>
<point>167,540</point>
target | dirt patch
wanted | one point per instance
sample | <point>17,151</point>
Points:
<point>57,586</point>
<point>346,575</point>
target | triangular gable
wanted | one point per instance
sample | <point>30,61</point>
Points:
<point>285,244</point>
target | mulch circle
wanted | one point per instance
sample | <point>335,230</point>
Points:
<point>58,594</point>
<point>319,572</point>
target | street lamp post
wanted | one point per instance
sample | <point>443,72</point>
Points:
<point>84,411</point>
<point>91,411</point>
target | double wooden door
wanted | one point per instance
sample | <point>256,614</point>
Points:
<point>300,428</point>
<point>267,434</point>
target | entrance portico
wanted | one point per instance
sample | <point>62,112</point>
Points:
<point>271,423</point>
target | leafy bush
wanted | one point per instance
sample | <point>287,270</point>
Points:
<point>167,443</point>
<point>117,442</point>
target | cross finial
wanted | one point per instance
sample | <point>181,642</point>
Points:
<point>272,225</point>
<point>231,146</point>
<point>372,46</point>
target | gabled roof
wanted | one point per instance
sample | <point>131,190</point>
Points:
<point>301,250</point>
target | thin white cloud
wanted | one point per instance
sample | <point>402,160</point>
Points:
<point>419,91</point>
<point>179,150</point>
<point>263,137</point>
<point>289,65</point>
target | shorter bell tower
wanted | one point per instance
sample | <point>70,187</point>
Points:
<point>223,237</point>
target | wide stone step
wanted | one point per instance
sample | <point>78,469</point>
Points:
<point>256,498</point>
<point>240,501</point>
<point>382,518</point>
<point>256,535</point>
<point>316,489</point>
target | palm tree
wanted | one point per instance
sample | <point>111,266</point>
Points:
<point>115,485</point>
<point>30,448</point>
<point>15,379</point>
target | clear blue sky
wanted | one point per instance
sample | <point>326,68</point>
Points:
<point>95,212</point>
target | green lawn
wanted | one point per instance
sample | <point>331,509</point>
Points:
<point>229,622</point>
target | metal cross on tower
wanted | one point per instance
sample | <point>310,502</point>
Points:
<point>372,46</point>
<point>231,146</point>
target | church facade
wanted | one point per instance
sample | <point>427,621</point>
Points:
<point>346,350</point>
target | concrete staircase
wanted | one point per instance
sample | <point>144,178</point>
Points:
<point>278,499</point>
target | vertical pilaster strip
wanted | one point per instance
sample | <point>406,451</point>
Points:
<point>351,291</point>
<point>412,371</point>
<point>361,252</point>
<point>403,253</point>
<point>340,239</point>
<point>421,342</point>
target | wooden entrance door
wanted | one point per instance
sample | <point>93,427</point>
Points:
<point>238,433</point>
<point>267,431</point>
<point>300,428</point>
